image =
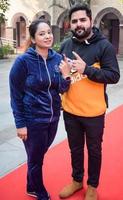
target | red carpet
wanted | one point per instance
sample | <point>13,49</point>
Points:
<point>57,169</point>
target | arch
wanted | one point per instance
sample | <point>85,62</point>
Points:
<point>110,19</point>
<point>16,16</point>
<point>105,11</point>
<point>63,24</point>
<point>61,18</point>
<point>43,14</point>
<point>19,28</point>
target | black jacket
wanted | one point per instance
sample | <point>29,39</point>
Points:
<point>96,49</point>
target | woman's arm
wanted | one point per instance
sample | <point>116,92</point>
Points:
<point>17,79</point>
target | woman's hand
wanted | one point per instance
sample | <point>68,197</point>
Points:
<point>65,68</point>
<point>22,133</point>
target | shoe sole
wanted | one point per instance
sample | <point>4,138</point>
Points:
<point>32,195</point>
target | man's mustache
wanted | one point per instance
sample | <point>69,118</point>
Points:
<point>80,28</point>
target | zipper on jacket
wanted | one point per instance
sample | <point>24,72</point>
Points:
<point>49,90</point>
<point>39,68</point>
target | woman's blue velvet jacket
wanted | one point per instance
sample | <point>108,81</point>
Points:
<point>35,85</point>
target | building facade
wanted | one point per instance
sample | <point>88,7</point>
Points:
<point>107,15</point>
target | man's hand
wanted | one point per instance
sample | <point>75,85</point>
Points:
<point>22,133</point>
<point>78,64</point>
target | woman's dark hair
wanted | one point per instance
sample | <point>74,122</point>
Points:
<point>32,30</point>
<point>78,7</point>
<point>34,25</point>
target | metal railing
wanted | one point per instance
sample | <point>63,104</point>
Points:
<point>12,43</point>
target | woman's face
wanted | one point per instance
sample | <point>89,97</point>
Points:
<point>43,36</point>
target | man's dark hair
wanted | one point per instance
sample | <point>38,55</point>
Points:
<point>78,7</point>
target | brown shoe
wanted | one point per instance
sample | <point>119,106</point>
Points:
<point>91,193</point>
<point>70,189</point>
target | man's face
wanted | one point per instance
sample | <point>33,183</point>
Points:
<point>81,25</point>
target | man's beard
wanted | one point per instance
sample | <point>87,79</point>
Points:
<point>81,33</point>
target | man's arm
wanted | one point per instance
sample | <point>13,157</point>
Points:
<point>108,72</point>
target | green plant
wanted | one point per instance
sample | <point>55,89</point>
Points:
<point>4,5</point>
<point>56,46</point>
<point>5,50</point>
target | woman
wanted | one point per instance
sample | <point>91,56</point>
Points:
<point>35,84</point>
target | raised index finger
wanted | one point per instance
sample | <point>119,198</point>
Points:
<point>65,58</point>
<point>76,55</point>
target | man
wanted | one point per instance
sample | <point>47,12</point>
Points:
<point>94,62</point>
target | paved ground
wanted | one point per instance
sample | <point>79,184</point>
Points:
<point>12,153</point>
